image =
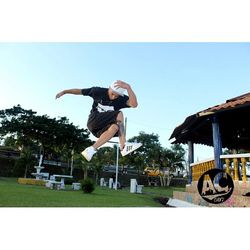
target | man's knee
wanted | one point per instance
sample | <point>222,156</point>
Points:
<point>115,126</point>
<point>119,117</point>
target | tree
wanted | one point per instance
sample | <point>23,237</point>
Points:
<point>25,164</point>
<point>56,136</point>
<point>152,154</point>
<point>178,157</point>
<point>104,156</point>
<point>149,153</point>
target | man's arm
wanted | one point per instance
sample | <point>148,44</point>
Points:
<point>69,91</point>
<point>132,101</point>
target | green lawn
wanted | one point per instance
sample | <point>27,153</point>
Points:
<point>13,194</point>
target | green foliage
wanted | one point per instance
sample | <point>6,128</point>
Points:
<point>104,156</point>
<point>27,129</point>
<point>24,129</point>
<point>154,155</point>
<point>88,185</point>
<point>24,166</point>
<point>148,154</point>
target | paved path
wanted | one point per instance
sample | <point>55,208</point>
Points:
<point>179,203</point>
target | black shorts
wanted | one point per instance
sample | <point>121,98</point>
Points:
<point>100,122</point>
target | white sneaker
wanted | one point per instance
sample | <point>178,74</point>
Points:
<point>88,153</point>
<point>130,147</point>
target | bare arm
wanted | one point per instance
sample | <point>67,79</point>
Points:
<point>132,101</point>
<point>69,91</point>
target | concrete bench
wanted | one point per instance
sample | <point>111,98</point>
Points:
<point>134,187</point>
<point>103,183</point>
<point>76,186</point>
<point>55,184</point>
<point>139,189</point>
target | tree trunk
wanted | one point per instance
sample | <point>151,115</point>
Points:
<point>85,171</point>
<point>96,178</point>
<point>169,178</point>
<point>25,172</point>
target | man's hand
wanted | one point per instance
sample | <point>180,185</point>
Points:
<point>60,94</point>
<point>69,91</point>
<point>132,101</point>
<point>122,84</point>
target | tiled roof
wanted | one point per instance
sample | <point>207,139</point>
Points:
<point>229,104</point>
<point>233,121</point>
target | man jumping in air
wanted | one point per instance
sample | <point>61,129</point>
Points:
<point>106,120</point>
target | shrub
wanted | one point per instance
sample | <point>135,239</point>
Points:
<point>88,185</point>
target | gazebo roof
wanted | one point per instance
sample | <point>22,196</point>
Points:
<point>234,121</point>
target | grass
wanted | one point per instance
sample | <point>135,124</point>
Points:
<point>13,194</point>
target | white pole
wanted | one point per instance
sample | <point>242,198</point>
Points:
<point>40,161</point>
<point>125,129</point>
<point>72,162</point>
<point>117,166</point>
<point>117,156</point>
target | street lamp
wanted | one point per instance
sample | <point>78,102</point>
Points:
<point>117,165</point>
<point>117,155</point>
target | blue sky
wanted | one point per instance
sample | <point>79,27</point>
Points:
<point>171,80</point>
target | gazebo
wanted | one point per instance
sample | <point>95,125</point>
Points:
<point>222,126</point>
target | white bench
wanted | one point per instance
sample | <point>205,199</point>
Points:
<point>139,189</point>
<point>54,184</point>
<point>134,187</point>
<point>61,177</point>
<point>76,186</point>
<point>103,183</point>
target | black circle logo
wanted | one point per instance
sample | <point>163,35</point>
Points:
<point>215,186</point>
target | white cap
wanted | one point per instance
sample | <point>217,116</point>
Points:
<point>117,90</point>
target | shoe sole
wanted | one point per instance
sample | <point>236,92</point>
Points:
<point>138,146</point>
<point>85,156</point>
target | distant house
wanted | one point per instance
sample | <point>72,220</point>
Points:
<point>6,152</point>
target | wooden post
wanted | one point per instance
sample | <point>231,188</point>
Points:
<point>236,169</point>
<point>243,170</point>
<point>190,160</point>
<point>228,166</point>
<point>217,143</point>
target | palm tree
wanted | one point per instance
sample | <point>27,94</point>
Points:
<point>26,162</point>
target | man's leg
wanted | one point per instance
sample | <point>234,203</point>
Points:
<point>125,147</point>
<point>120,123</point>
<point>106,136</point>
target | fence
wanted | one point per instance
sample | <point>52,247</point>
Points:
<point>235,165</point>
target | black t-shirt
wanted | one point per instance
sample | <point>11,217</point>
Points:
<point>102,103</point>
